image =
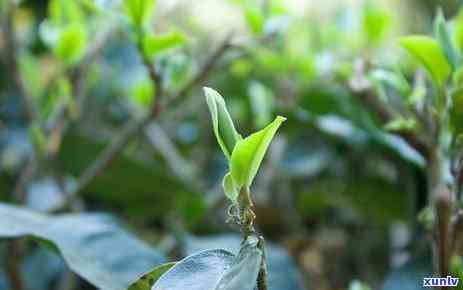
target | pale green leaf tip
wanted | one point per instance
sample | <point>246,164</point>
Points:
<point>280,119</point>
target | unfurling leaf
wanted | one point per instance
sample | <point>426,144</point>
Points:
<point>147,280</point>
<point>224,130</point>
<point>428,52</point>
<point>249,152</point>
<point>261,100</point>
<point>229,187</point>
<point>139,11</point>
<point>71,43</point>
<point>154,44</point>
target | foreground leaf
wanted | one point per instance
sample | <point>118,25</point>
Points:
<point>428,52</point>
<point>242,274</point>
<point>283,272</point>
<point>93,245</point>
<point>249,152</point>
<point>147,281</point>
<point>201,271</point>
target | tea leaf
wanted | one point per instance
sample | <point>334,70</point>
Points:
<point>249,152</point>
<point>428,52</point>
<point>224,130</point>
<point>93,245</point>
<point>443,36</point>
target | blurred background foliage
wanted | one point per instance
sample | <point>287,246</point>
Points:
<point>338,196</point>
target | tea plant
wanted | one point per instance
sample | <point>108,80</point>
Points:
<point>220,269</point>
<point>429,117</point>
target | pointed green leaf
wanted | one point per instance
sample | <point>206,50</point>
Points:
<point>229,187</point>
<point>443,37</point>
<point>224,130</point>
<point>154,44</point>
<point>139,11</point>
<point>249,152</point>
<point>428,52</point>
<point>147,280</point>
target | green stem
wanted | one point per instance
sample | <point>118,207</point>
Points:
<point>246,214</point>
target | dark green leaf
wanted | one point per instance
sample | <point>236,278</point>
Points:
<point>85,242</point>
